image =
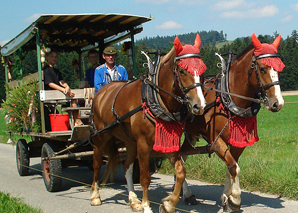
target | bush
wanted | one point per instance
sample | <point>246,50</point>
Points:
<point>22,108</point>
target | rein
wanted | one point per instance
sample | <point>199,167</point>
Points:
<point>184,90</point>
<point>258,101</point>
<point>236,95</point>
<point>177,98</point>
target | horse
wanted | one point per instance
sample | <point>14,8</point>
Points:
<point>232,101</point>
<point>178,85</point>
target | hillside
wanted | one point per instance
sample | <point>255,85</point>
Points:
<point>159,42</point>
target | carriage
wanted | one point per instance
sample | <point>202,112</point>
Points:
<point>65,144</point>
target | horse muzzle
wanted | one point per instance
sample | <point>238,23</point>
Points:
<point>275,106</point>
<point>197,108</point>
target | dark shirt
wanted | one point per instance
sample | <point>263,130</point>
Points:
<point>51,75</point>
<point>90,76</point>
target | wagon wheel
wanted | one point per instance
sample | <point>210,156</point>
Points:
<point>51,169</point>
<point>22,157</point>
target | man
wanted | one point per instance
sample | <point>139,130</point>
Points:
<point>109,71</point>
<point>93,58</point>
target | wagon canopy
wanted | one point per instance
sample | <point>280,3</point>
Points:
<point>73,32</point>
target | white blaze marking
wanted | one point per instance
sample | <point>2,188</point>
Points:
<point>200,92</point>
<point>274,77</point>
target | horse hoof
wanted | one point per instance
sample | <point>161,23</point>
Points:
<point>162,209</point>
<point>95,202</point>
<point>136,207</point>
<point>191,200</point>
<point>232,206</point>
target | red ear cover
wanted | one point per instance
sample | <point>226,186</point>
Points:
<point>257,44</point>
<point>178,45</point>
<point>198,41</point>
<point>277,41</point>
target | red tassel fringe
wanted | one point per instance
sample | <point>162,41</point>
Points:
<point>243,132</point>
<point>167,136</point>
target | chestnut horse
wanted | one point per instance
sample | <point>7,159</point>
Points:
<point>254,70</point>
<point>178,78</point>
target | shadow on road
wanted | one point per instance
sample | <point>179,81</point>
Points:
<point>208,196</point>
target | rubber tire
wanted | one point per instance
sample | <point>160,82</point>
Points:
<point>51,169</point>
<point>22,157</point>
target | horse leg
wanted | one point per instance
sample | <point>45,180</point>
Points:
<point>170,202</point>
<point>232,190</point>
<point>188,197</point>
<point>98,144</point>
<point>134,202</point>
<point>231,199</point>
<point>145,176</point>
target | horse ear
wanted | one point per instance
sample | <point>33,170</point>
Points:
<point>198,41</point>
<point>178,45</point>
<point>277,41</point>
<point>257,44</point>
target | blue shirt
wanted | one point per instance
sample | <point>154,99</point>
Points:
<point>90,76</point>
<point>102,75</point>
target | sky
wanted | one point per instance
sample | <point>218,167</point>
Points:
<point>236,18</point>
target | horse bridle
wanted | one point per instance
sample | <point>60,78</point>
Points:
<point>185,89</point>
<point>255,65</point>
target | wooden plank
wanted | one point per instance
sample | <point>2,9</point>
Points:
<point>14,83</point>
<point>75,108</point>
<point>55,95</point>
<point>31,77</point>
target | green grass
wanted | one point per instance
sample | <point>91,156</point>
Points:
<point>10,204</point>
<point>269,166</point>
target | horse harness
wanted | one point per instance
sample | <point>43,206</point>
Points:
<point>222,89</point>
<point>150,90</point>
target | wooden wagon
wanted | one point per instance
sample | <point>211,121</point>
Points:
<point>67,33</point>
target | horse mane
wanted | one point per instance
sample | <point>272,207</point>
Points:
<point>168,56</point>
<point>243,52</point>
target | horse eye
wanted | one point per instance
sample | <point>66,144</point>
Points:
<point>181,71</point>
<point>262,70</point>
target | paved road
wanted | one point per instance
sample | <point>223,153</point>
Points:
<point>74,198</point>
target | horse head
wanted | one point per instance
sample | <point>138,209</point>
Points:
<point>267,66</point>
<point>188,70</point>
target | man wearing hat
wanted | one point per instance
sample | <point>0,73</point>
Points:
<point>109,71</point>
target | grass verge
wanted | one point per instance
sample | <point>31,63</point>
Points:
<point>10,204</point>
<point>269,166</point>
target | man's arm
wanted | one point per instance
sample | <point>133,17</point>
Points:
<point>124,75</point>
<point>98,79</point>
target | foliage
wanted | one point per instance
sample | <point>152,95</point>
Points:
<point>160,42</point>
<point>2,82</point>
<point>10,204</point>
<point>22,107</point>
<point>212,41</point>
